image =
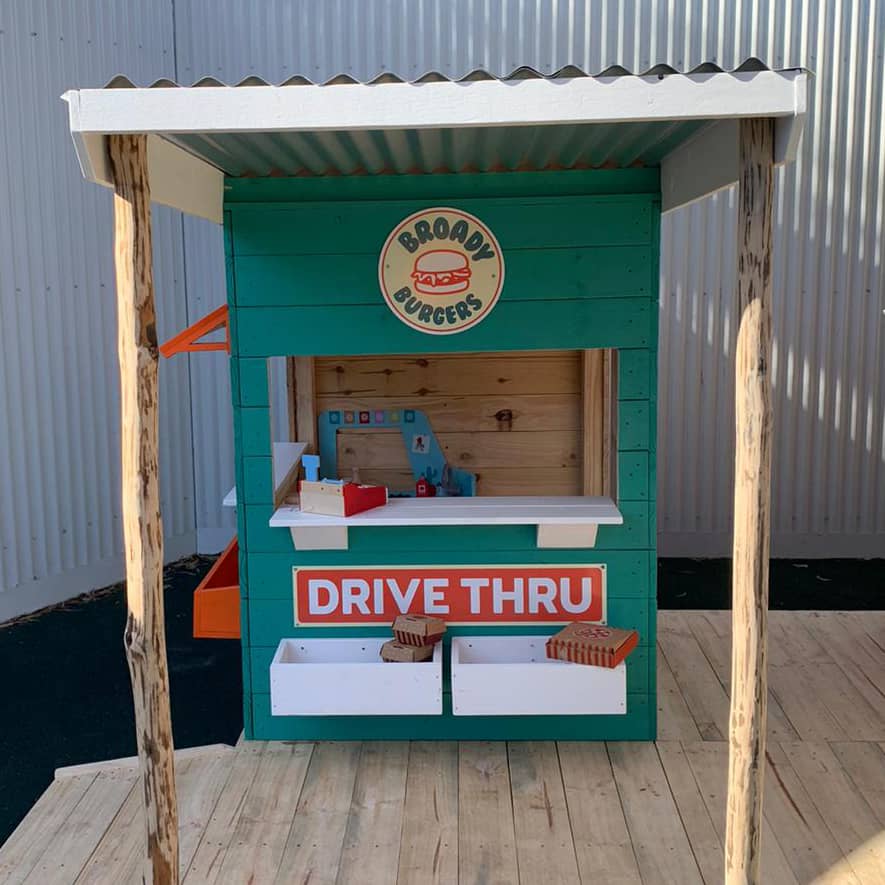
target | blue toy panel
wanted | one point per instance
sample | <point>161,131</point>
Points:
<point>426,457</point>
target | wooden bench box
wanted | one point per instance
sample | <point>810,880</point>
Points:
<point>512,676</point>
<point>346,677</point>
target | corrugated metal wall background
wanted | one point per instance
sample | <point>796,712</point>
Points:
<point>829,365</point>
<point>58,440</point>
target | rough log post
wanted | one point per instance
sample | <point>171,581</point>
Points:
<point>752,498</point>
<point>145,636</point>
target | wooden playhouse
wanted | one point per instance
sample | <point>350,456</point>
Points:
<point>449,289</point>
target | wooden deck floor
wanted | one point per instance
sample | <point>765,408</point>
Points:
<point>523,812</point>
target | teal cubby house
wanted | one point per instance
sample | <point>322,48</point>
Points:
<point>581,256</point>
<point>449,289</point>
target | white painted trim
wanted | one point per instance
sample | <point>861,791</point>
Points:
<point>708,161</point>
<point>504,510</point>
<point>189,183</point>
<point>436,105</point>
<point>31,597</point>
<point>557,537</point>
<point>332,537</point>
<point>177,178</point>
<point>705,163</point>
<point>183,181</point>
<point>286,459</point>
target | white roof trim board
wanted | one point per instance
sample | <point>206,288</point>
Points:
<point>187,121</point>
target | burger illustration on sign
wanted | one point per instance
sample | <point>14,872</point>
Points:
<point>441,271</point>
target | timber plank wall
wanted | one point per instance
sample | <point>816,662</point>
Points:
<point>581,253</point>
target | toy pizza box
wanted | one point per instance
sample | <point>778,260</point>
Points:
<point>399,652</point>
<point>418,629</point>
<point>595,644</point>
<point>339,498</point>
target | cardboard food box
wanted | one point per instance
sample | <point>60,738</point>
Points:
<point>398,652</point>
<point>595,644</point>
<point>418,629</point>
<point>339,498</point>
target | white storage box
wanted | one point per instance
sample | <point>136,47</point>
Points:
<point>512,676</point>
<point>346,677</point>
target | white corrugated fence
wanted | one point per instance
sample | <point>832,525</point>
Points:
<point>58,470</point>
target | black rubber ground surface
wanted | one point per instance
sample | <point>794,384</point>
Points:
<point>66,698</point>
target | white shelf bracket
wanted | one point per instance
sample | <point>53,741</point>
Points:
<point>333,537</point>
<point>560,536</point>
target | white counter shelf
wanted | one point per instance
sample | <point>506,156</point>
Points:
<point>560,521</point>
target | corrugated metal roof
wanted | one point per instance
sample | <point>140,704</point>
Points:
<point>522,72</point>
<point>378,152</point>
<point>436,123</point>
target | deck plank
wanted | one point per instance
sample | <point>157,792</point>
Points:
<point>200,786</point>
<point>864,763</point>
<point>713,633</point>
<point>374,825</point>
<point>266,815</point>
<point>599,829</point>
<point>861,659</point>
<point>545,850</point>
<point>810,847</point>
<point>486,841</point>
<point>662,848</point>
<point>699,684</point>
<point>313,849</point>
<point>28,842</point>
<point>73,844</point>
<point>119,855</point>
<point>702,836</point>
<point>709,764</point>
<point>675,722</point>
<point>871,623</point>
<point>216,837</point>
<point>857,831</point>
<point>429,842</point>
<point>797,689</point>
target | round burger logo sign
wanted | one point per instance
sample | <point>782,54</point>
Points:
<point>441,271</point>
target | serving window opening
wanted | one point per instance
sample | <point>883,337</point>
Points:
<point>533,423</point>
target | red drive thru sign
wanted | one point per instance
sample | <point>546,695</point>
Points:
<point>485,594</point>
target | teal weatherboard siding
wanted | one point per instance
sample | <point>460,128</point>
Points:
<point>581,253</point>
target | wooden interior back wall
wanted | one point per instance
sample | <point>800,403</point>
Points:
<point>514,419</point>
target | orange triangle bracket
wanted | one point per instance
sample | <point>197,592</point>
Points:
<point>187,341</point>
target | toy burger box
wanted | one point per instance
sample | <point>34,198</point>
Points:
<point>418,630</point>
<point>399,652</point>
<point>339,498</point>
<point>595,644</point>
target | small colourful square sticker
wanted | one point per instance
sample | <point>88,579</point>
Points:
<point>348,417</point>
<point>394,417</point>
<point>409,416</point>
<point>379,417</point>
<point>364,418</point>
<point>334,417</point>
